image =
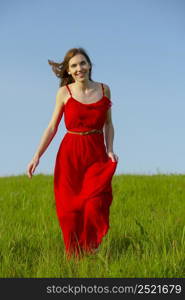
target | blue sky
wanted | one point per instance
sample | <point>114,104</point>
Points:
<point>137,47</point>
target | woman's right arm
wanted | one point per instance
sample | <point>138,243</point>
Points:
<point>49,132</point>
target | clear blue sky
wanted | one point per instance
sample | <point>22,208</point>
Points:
<point>137,48</point>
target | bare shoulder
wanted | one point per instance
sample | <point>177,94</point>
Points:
<point>107,90</point>
<point>62,94</point>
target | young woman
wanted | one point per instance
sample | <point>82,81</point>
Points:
<point>84,164</point>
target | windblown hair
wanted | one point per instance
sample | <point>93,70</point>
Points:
<point>61,69</point>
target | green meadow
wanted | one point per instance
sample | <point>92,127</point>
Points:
<point>146,236</point>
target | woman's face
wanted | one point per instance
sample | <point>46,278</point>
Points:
<point>79,67</point>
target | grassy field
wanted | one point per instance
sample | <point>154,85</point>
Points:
<point>146,236</point>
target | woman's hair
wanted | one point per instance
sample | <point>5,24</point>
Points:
<point>61,69</point>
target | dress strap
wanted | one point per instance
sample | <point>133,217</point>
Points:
<point>102,89</point>
<point>69,89</point>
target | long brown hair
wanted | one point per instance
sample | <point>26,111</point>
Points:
<point>61,69</point>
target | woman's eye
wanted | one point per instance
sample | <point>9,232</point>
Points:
<point>83,62</point>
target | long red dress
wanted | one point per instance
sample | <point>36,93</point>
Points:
<point>82,177</point>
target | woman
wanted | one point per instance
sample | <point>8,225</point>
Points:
<point>84,165</point>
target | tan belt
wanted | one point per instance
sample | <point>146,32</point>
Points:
<point>87,132</point>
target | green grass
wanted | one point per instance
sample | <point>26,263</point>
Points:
<point>146,236</point>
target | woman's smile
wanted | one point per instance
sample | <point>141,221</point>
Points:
<point>81,74</point>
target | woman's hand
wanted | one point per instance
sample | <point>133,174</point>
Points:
<point>113,156</point>
<point>32,166</point>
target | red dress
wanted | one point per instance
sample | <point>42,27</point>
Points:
<point>82,177</point>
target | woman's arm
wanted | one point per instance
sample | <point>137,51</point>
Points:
<point>46,139</point>
<point>108,126</point>
<point>109,129</point>
<point>109,134</point>
<point>49,132</point>
<point>52,128</point>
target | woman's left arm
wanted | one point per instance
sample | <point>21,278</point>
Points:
<point>109,129</point>
<point>109,132</point>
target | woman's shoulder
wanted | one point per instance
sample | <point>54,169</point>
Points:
<point>63,93</point>
<point>107,91</point>
<point>104,84</point>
